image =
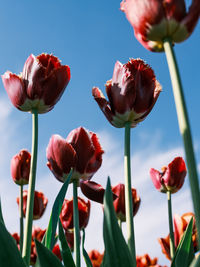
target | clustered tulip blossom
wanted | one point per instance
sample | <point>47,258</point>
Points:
<point>66,215</point>
<point>39,86</point>
<point>40,203</point>
<point>96,257</point>
<point>132,93</point>
<point>119,202</point>
<point>146,261</point>
<point>155,20</point>
<point>81,151</point>
<point>171,178</point>
<point>180,225</point>
<point>20,167</point>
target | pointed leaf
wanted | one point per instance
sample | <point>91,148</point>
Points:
<point>1,214</point>
<point>57,206</point>
<point>9,253</point>
<point>85,255</point>
<point>183,253</point>
<point>65,250</point>
<point>195,262</point>
<point>46,258</point>
<point>117,252</point>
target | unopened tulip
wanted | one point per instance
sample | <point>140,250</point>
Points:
<point>180,225</point>
<point>80,151</point>
<point>132,93</point>
<point>40,203</point>
<point>171,178</point>
<point>119,202</point>
<point>20,167</point>
<point>66,215</point>
<point>39,86</point>
<point>96,257</point>
<point>155,20</point>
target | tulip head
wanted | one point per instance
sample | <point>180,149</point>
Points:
<point>39,86</point>
<point>171,178</point>
<point>119,202</point>
<point>20,167</point>
<point>146,261</point>
<point>96,257</point>
<point>81,151</point>
<point>132,93</point>
<point>66,215</point>
<point>155,20</point>
<point>40,203</point>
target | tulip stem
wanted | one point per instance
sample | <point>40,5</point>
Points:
<point>128,193</point>
<point>120,223</point>
<point>21,218</point>
<point>171,231</point>
<point>184,127</point>
<point>31,190</point>
<point>76,225</point>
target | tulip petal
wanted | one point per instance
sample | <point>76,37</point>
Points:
<point>92,190</point>
<point>156,178</point>
<point>15,88</point>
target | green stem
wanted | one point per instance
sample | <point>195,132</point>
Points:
<point>76,225</point>
<point>21,218</point>
<point>171,231</point>
<point>128,193</point>
<point>31,190</point>
<point>120,223</point>
<point>184,127</point>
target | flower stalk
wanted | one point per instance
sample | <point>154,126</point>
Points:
<point>128,193</point>
<point>30,200</point>
<point>171,231</point>
<point>184,127</point>
<point>76,225</point>
<point>21,219</point>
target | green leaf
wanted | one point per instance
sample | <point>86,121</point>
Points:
<point>183,255</point>
<point>117,252</point>
<point>195,262</point>
<point>1,214</point>
<point>9,253</point>
<point>57,206</point>
<point>65,250</point>
<point>85,255</point>
<point>46,258</point>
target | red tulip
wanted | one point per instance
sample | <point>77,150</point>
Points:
<point>119,202</point>
<point>20,167</point>
<point>40,203</point>
<point>56,251</point>
<point>155,20</point>
<point>146,261</point>
<point>40,85</point>
<point>171,178</point>
<point>180,225</point>
<point>66,215</point>
<point>132,93</point>
<point>80,151</point>
<point>95,257</point>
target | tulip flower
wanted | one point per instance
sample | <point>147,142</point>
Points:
<point>56,251</point>
<point>155,20</point>
<point>180,225</point>
<point>119,202</point>
<point>20,167</point>
<point>96,257</point>
<point>80,151</point>
<point>146,261</point>
<point>39,86</point>
<point>171,178</point>
<point>40,203</point>
<point>132,93</point>
<point>66,215</point>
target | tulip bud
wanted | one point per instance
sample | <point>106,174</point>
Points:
<point>171,178</point>
<point>155,20</point>
<point>40,203</point>
<point>40,85</point>
<point>96,257</point>
<point>20,167</point>
<point>66,215</point>
<point>132,93</point>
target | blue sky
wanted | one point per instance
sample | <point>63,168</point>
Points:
<point>90,36</point>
